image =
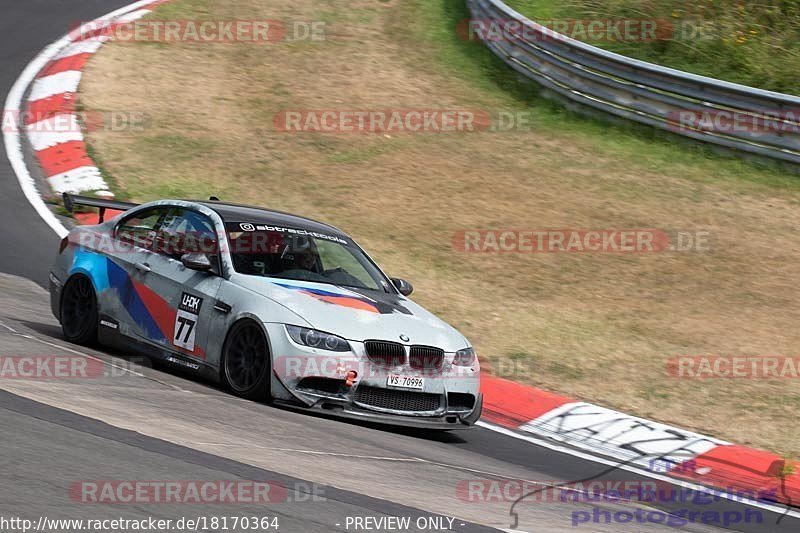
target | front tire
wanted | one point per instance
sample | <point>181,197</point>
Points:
<point>245,368</point>
<point>79,311</point>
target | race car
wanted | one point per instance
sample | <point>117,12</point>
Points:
<point>277,307</point>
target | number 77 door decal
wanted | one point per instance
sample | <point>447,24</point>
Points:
<point>186,321</point>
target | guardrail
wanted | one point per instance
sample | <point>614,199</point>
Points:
<point>757,121</point>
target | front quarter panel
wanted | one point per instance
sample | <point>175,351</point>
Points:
<point>234,303</point>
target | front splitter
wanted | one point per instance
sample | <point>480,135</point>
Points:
<point>447,421</point>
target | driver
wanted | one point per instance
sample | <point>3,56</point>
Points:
<point>305,261</point>
<point>300,254</point>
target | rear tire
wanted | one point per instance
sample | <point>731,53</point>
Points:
<point>245,366</point>
<point>79,311</point>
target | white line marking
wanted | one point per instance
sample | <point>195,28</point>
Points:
<point>78,179</point>
<point>135,15</point>
<point>13,105</point>
<point>87,46</point>
<point>61,82</point>
<point>57,129</point>
<point>639,471</point>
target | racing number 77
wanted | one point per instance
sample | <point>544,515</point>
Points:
<point>184,322</point>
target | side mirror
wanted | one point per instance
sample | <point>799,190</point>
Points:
<point>403,286</point>
<point>196,261</point>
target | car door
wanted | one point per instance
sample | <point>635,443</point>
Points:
<point>123,307</point>
<point>181,299</point>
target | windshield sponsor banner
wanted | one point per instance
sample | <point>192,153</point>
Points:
<point>261,227</point>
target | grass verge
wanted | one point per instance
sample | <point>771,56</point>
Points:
<point>753,43</point>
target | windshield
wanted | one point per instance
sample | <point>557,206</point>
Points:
<point>298,254</point>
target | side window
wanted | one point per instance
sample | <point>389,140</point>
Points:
<point>139,228</point>
<point>183,231</point>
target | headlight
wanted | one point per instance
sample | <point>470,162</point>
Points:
<point>317,339</point>
<point>465,357</point>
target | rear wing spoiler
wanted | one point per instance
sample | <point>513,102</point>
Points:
<point>71,200</point>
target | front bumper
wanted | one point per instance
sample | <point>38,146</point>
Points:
<point>318,380</point>
<point>447,421</point>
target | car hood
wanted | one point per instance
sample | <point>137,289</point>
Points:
<point>359,315</point>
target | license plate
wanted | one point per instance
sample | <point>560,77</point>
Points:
<point>405,382</point>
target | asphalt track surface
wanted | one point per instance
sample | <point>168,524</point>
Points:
<point>131,422</point>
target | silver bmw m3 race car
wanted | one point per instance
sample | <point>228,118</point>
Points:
<point>275,306</point>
